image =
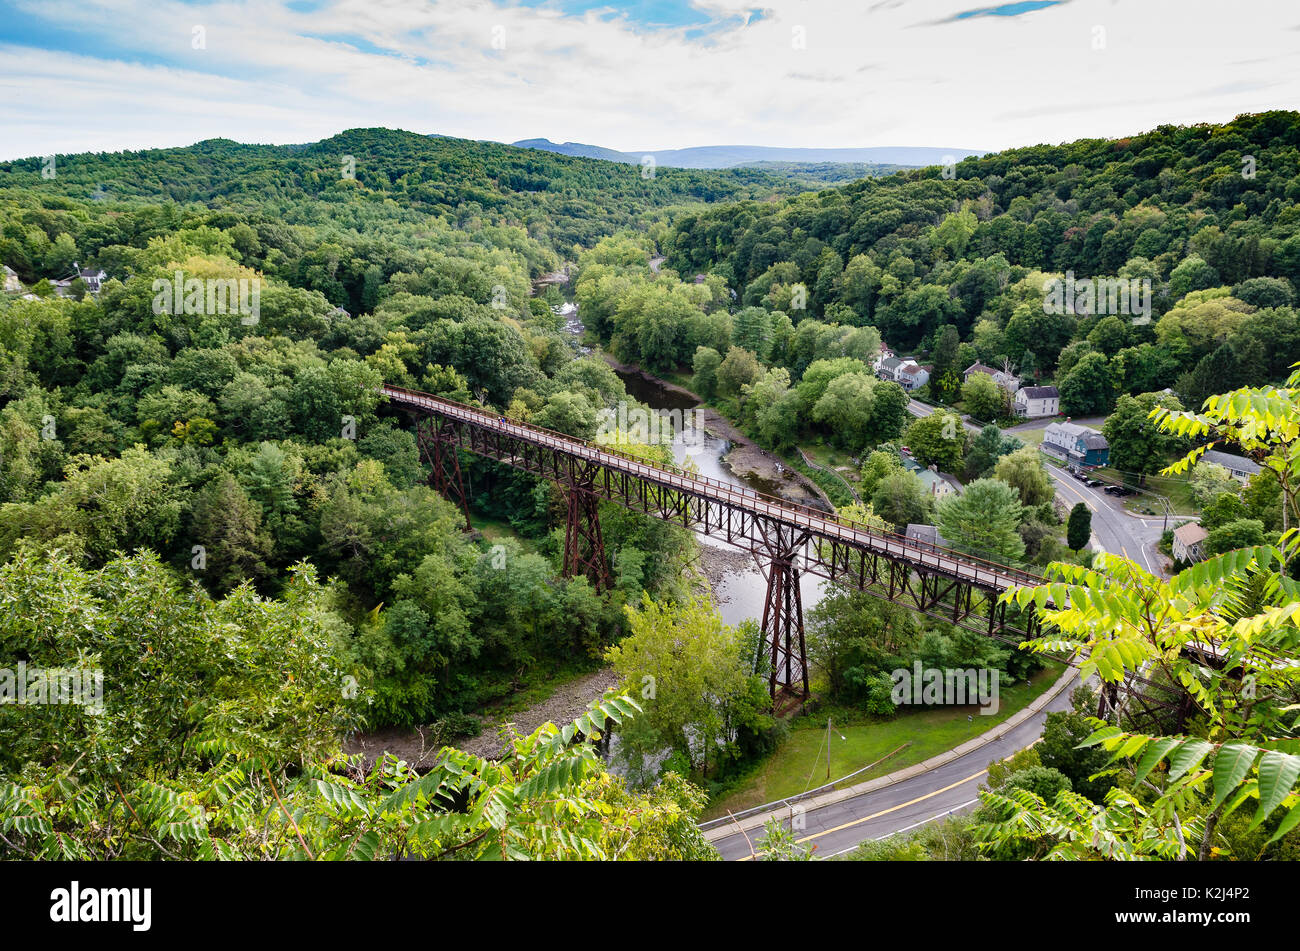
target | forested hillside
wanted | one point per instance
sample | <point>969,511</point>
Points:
<point>216,507</point>
<point>338,215</point>
<point>260,440</point>
<point>1206,213</point>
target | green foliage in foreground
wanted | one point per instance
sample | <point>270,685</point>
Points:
<point>216,736</point>
<point>1241,758</point>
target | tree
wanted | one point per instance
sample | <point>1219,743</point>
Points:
<point>752,331</point>
<point>1121,620</point>
<point>983,397</point>
<point>990,445</point>
<point>228,526</point>
<point>1078,530</point>
<point>1023,470</point>
<point>1115,617</point>
<point>1136,445</point>
<point>984,520</point>
<point>847,408</point>
<point>900,498</point>
<point>878,464</point>
<point>938,439</point>
<point>945,350</point>
<point>705,367</point>
<point>1223,508</point>
<point>687,666</point>
<point>889,415</point>
<point>739,369</point>
<point>1208,481</point>
<point>1088,388</point>
<point>1242,533</point>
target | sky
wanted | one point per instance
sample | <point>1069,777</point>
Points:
<point>106,75</point>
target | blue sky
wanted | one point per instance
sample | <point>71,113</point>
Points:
<point>645,74</point>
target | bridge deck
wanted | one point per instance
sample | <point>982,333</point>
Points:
<point>822,525</point>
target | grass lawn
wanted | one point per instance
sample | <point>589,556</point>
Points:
<point>1178,491</point>
<point>824,455</point>
<point>800,762</point>
<point>1030,437</point>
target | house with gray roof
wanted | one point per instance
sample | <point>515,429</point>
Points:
<point>1075,444</point>
<point>1240,467</point>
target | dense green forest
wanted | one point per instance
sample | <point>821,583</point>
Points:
<point>1206,213</point>
<point>126,427</point>
<point>181,483</point>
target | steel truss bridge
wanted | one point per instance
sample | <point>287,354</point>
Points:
<point>787,539</point>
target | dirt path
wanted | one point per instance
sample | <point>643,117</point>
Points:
<point>419,748</point>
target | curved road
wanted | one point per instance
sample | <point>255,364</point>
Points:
<point>950,788</point>
<point>953,787</point>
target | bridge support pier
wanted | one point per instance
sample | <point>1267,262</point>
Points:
<point>584,546</point>
<point>783,632</point>
<point>437,439</point>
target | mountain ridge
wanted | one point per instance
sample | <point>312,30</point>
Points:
<point>730,156</point>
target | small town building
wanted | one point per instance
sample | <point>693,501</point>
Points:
<point>1007,381</point>
<point>911,376</point>
<point>1189,542</point>
<point>1240,467</point>
<point>93,278</point>
<point>1035,402</point>
<point>11,283</point>
<point>926,535</point>
<point>904,371</point>
<point>937,484</point>
<point>1077,445</point>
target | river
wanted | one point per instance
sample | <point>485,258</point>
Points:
<point>740,587</point>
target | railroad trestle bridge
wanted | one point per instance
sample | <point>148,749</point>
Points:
<point>787,539</point>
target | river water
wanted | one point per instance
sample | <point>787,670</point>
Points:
<point>742,588</point>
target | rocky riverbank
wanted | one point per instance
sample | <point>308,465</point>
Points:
<point>746,459</point>
<point>419,748</point>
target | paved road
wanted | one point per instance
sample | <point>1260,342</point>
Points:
<point>953,787</point>
<point>950,788</point>
<point>1113,529</point>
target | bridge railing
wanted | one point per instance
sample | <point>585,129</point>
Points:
<point>803,515</point>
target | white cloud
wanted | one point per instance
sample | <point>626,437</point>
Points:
<point>874,74</point>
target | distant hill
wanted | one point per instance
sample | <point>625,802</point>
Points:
<point>562,200</point>
<point>731,156</point>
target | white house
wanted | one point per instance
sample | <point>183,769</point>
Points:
<point>1240,467</point>
<point>904,371</point>
<point>911,375</point>
<point>1007,381</point>
<point>1035,402</point>
<point>12,284</point>
<point>1189,542</point>
<point>93,278</point>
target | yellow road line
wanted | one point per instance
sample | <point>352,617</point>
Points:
<point>885,812</point>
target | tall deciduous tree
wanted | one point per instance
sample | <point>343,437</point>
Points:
<point>983,520</point>
<point>686,665</point>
